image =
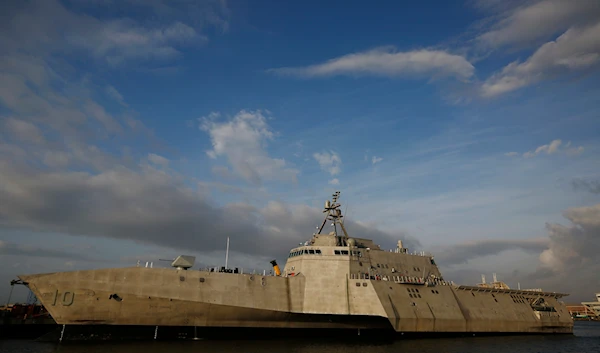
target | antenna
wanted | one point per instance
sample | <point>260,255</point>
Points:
<point>483,279</point>
<point>495,279</point>
<point>334,214</point>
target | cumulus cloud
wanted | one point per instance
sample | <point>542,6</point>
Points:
<point>553,147</point>
<point>548,149</point>
<point>537,20</point>
<point>242,140</point>
<point>388,62</point>
<point>329,162</point>
<point>567,259</point>
<point>572,248</point>
<point>575,50</point>
<point>334,181</point>
<point>154,207</point>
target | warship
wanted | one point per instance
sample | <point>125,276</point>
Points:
<point>333,282</point>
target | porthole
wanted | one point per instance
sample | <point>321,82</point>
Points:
<point>201,279</point>
<point>357,284</point>
<point>364,284</point>
<point>181,278</point>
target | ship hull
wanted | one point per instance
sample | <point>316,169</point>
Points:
<point>130,302</point>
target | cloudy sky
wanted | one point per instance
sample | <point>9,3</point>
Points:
<point>139,130</point>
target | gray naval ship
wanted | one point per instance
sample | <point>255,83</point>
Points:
<point>332,283</point>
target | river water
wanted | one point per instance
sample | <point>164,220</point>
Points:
<point>586,339</point>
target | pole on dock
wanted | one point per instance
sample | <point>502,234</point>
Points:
<point>12,286</point>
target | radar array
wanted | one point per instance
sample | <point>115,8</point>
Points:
<point>333,213</point>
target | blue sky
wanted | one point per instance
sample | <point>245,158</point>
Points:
<point>144,129</point>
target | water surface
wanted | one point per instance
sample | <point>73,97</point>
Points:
<point>586,339</point>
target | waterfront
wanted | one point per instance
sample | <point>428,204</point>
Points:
<point>586,338</point>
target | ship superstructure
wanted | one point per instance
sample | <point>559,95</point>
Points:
<point>593,306</point>
<point>332,281</point>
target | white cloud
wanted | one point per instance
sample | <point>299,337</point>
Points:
<point>329,162</point>
<point>24,130</point>
<point>548,149</point>
<point>116,95</point>
<point>574,249</point>
<point>551,148</point>
<point>242,140</point>
<point>576,49</point>
<point>375,159</point>
<point>334,181</point>
<point>539,20</point>
<point>47,25</point>
<point>121,40</point>
<point>387,62</point>
<point>158,160</point>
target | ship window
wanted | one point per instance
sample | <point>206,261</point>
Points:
<point>408,289</point>
<point>311,251</point>
<point>378,266</point>
<point>436,292</point>
<point>336,252</point>
<point>364,284</point>
<point>432,291</point>
<point>181,278</point>
<point>318,251</point>
<point>357,284</point>
<point>419,295</point>
<point>473,293</point>
<point>496,300</point>
<point>360,263</point>
<point>386,266</point>
<point>201,279</point>
<point>410,295</point>
<point>417,290</point>
<point>344,252</point>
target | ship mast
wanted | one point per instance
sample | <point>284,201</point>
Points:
<point>333,213</point>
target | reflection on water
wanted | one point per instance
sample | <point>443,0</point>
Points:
<point>586,338</point>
